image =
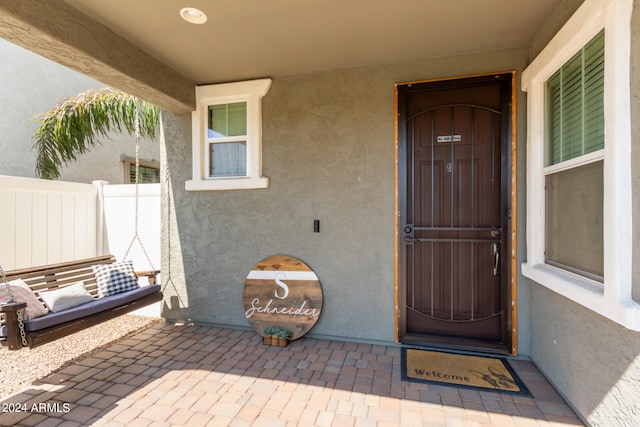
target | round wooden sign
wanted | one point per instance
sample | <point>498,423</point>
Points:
<point>282,291</point>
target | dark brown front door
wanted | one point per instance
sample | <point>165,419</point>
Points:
<point>454,172</point>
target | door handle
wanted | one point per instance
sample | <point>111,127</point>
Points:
<point>408,231</point>
<point>496,255</point>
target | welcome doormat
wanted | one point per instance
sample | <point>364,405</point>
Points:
<point>476,372</point>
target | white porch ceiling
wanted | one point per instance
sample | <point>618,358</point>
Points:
<point>246,39</point>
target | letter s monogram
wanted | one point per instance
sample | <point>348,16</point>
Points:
<point>282,285</point>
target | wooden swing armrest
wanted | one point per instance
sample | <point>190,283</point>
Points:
<point>14,340</point>
<point>150,274</point>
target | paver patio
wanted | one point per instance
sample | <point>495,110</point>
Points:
<point>185,375</point>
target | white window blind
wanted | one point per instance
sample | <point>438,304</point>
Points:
<point>575,96</point>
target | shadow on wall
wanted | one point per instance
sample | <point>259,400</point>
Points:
<point>175,151</point>
<point>592,361</point>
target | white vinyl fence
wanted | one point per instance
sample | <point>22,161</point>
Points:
<point>44,222</point>
<point>119,221</point>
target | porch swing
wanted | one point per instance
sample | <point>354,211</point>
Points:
<point>108,289</point>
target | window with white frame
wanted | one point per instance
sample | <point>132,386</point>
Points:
<point>574,154</point>
<point>579,162</point>
<point>148,170</point>
<point>227,136</point>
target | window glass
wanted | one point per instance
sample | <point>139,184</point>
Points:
<point>575,102</point>
<point>228,159</point>
<point>146,175</point>
<point>227,120</point>
<point>574,238</point>
<point>574,234</point>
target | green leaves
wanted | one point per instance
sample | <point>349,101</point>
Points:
<point>77,124</point>
<point>275,331</point>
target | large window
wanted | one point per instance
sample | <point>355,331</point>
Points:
<point>574,153</point>
<point>579,162</point>
<point>227,137</point>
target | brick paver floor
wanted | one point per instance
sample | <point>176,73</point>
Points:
<point>185,375</point>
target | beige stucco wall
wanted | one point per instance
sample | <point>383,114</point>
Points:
<point>30,85</point>
<point>552,25</point>
<point>328,150</point>
<point>594,362</point>
<point>57,31</point>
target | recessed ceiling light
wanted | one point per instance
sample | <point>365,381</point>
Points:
<point>193,15</point>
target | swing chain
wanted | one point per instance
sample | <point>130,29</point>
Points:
<point>12,300</point>
<point>137,126</point>
<point>136,236</point>
<point>23,334</point>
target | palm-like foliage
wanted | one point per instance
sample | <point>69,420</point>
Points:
<point>77,124</point>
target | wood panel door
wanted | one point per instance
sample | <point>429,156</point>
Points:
<point>454,174</point>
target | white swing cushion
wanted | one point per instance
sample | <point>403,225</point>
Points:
<point>22,293</point>
<point>66,298</point>
<point>115,278</point>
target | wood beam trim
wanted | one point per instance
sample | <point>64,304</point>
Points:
<point>57,31</point>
